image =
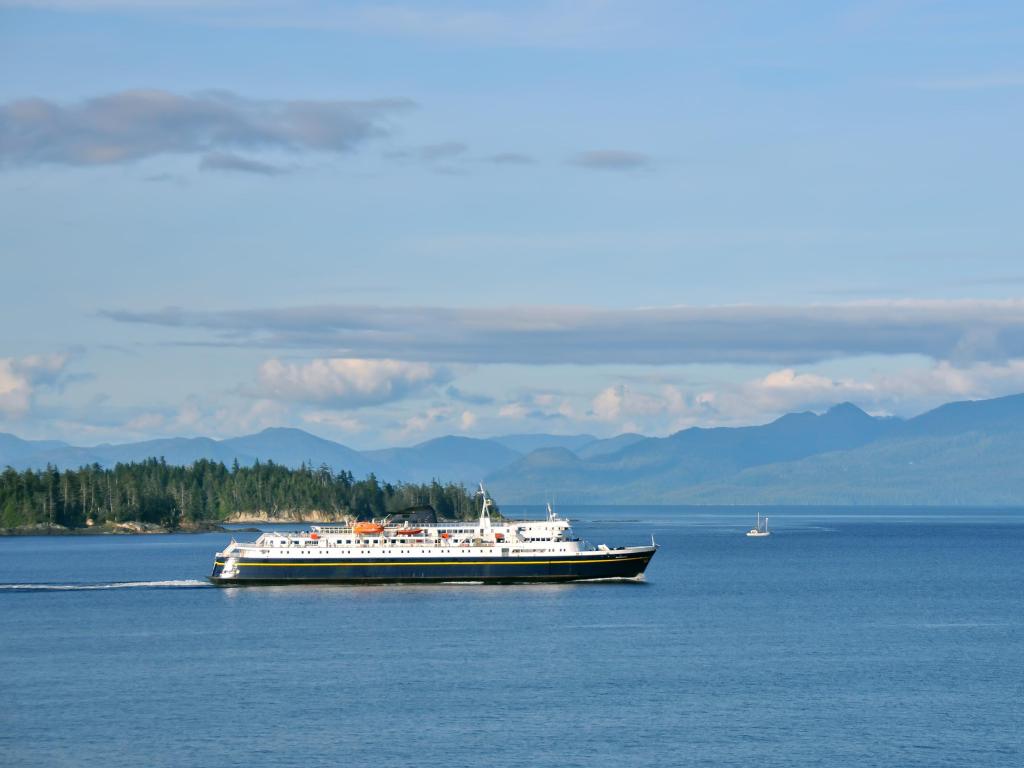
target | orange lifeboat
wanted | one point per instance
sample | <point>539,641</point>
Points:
<point>409,531</point>
<point>445,535</point>
<point>361,528</point>
<point>314,536</point>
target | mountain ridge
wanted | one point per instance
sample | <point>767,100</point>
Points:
<point>949,454</point>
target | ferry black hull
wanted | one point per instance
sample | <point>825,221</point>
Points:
<point>615,564</point>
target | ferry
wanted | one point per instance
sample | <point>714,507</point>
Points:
<point>417,547</point>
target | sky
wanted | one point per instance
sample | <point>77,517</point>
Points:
<point>386,222</point>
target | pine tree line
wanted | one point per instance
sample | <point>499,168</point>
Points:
<point>156,492</point>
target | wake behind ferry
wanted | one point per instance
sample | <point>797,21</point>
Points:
<point>417,547</point>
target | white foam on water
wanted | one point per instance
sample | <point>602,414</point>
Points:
<point>634,579</point>
<point>41,587</point>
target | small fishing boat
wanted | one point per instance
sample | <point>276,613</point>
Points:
<point>760,529</point>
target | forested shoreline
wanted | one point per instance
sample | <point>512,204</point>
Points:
<point>177,497</point>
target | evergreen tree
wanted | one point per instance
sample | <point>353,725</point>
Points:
<point>156,492</point>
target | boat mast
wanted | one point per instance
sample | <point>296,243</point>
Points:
<point>485,508</point>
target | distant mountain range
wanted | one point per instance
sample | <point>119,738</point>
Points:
<point>965,453</point>
<point>463,459</point>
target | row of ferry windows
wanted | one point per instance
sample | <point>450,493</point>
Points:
<point>380,541</point>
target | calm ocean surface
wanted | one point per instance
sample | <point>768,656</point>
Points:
<point>847,638</point>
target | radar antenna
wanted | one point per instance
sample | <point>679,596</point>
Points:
<point>485,507</point>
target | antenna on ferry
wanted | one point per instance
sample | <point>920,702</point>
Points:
<point>485,509</point>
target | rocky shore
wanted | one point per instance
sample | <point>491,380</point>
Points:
<point>316,516</point>
<point>129,528</point>
<point>134,527</point>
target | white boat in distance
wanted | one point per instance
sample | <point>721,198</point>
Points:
<point>759,530</point>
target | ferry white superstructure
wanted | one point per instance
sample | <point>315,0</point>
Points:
<point>402,551</point>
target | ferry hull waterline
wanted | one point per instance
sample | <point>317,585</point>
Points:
<point>391,551</point>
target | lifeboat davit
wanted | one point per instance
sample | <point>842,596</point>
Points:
<point>409,531</point>
<point>361,528</point>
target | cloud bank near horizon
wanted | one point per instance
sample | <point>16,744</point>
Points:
<point>961,331</point>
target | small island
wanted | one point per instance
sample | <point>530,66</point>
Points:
<point>153,496</point>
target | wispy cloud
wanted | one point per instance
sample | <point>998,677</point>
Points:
<point>472,398</point>
<point>164,178</point>
<point>443,151</point>
<point>510,158</point>
<point>225,161</point>
<point>611,160</point>
<point>961,330</point>
<point>132,125</point>
<point>430,153</point>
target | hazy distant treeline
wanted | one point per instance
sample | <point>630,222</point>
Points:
<point>156,492</point>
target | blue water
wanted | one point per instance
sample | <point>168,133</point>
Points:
<point>848,638</point>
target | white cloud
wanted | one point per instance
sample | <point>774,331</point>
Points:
<point>538,406</point>
<point>15,390</point>
<point>20,379</point>
<point>434,421</point>
<point>786,389</point>
<point>515,411</point>
<point>620,401</point>
<point>347,382</point>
